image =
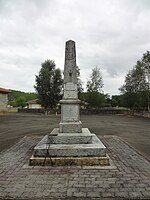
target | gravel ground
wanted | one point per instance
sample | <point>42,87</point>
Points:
<point>133,130</point>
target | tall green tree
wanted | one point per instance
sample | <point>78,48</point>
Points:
<point>94,97</point>
<point>79,84</point>
<point>21,101</point>
<point>146,69</point>
<point>116,100</point>
<point>95,100</point>
<point>95,83</point>
<point>135,80</point>
<point>14,97</point>
<point>49,84</point>
<point>137,84</point>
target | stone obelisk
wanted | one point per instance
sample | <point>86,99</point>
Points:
<point>70,144</point>
<point>70,117</point>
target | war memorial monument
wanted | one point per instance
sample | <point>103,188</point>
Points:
<point>70,144</point>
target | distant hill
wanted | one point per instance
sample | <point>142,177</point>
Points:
<point>19,98</point>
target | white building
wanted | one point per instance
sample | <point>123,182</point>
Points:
<point>33,104</point>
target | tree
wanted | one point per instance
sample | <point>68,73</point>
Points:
<point>49,84</point>
<point>94,98</point>
<point>79,84</point>
<point>135,80</point>
<point>107,100</point>
<point>15,95</point>
<point>116,101</point>
<point>95,83</point>
<point>21,101</point>
<point>146,69</point>
<point>137,84</point>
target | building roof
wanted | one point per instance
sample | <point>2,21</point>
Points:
<point>2,90</point>
<point>33,101</point>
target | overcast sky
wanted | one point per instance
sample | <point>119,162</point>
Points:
<point>109,34</point>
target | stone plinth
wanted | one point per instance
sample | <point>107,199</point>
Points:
<point>70,118</point>
<point>87,144</point>
<point>70,127</point>
<point>70,149</point>
<point>70,110</point>
<point>65,138</point>
<point>69,161</point>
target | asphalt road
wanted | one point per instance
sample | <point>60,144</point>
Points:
<point>133,130</point>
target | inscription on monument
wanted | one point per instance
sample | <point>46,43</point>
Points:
<point>70,69</point>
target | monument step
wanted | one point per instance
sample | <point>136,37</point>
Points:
<point>69,161</point>
<point>85,137</point>
<point>96,148</point>
<point>67,138</point>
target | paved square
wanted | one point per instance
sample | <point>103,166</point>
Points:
<point>128,178</point>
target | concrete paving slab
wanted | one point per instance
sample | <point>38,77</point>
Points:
<point>128,179</point>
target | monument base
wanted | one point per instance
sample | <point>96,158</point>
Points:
<point>70,127</point>
<point>82,148</point>
<point>69,161</point>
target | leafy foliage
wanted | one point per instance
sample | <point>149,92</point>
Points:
<point>93,96</point>
<point>95,99</point>
<point>49,84</point>
<point>79,84</point>
<point>136,88</point>
<point>135,80</point>
<point>18,98</point>
<point>95,83</point>
<point>21,101</point>
<point>116,101</point>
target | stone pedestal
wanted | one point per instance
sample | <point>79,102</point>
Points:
<point>70,110</point>
<point>58,148</point>
<point>70,121</point>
